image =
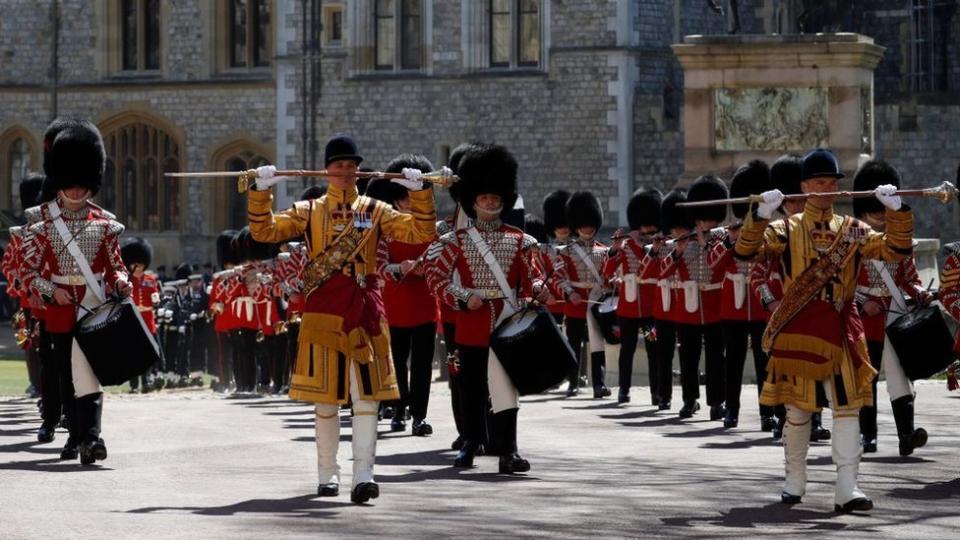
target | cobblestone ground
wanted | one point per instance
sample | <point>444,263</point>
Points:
<point>192,464</point>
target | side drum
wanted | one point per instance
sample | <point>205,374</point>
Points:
<point>535,355</point>
<point>606,315</point>
<point>922,341</point>
<point>116,342</point>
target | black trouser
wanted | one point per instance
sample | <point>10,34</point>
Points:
<point>559,317</point>
<point>34,366</point>
<point>293,340</point>
<point>171,350</point>
<point>266,357</point>
<point>868,413</point>
<point>629,336</point>
<point>415,343</point>
<point>735,335</point>
<point>456,393</point>
<point>50,392</point>
<point>225,356</point>
<point>474,392</point>
<point>245,359</point>
<point>662,375</point>
<point>59,353</point>
<point>198,345</point>
<point>577,336</point>
<point>694,338</point>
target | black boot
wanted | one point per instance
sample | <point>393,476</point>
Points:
<point>466,454</point>
<point>910,438</point>
<point>598,370</point>
<point>72,447</point>
<point>89,412</point>
<point>868,428</point>
<point>47,432</point>
<point>506,426</point>
<point>732,418</point>
<point>817,431</point>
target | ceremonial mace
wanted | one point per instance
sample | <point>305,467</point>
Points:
<point>944,193</point>
<point>248,177</point>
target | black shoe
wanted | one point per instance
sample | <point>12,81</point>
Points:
<point>364,491</point>
<point>583,381</point>
<point>601,392</point>
<point>869,445</point>
<point>730,421</point>
<point>457,443</point>
<point>572,390</point>
<point>860,504</point>
<point>623,398</point>
<point>787,498</point>
<point>388,413</point>
<point>717,412</point>
<point>70,450</point>
<point>654,400</point>
<point>464,459</point>
<point>689,408</point>
<point>513,463</point>
<point>46,433</point>
<point>328,490</point>
<point>421,428</point>
<point>92,450</point>
<point>819,433</point>
<point>397,424</point>
<point>767,423</point>
<point>909,444</point>
<point>664,406</point>
<point>778,429</point>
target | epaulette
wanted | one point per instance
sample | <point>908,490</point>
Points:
<point>102,211</point>
<point>449,238</point>
<point>443,227</point>
<point>115,228</point>
<point>33,214</point>
<point>529,242</point>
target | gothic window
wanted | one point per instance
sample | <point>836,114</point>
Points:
<point>515,33</point>
<point>134,188</point>
<point>19,154</point>
<point>236,217</point>
<point>139,35</point>
<point>407,39</point>
<point>18,163</point>
<point>249,33</point>
<point>333,26</point>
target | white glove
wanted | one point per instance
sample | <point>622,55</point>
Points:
<point>771,201</point>
<point>182,329</point>
<point>887,194</point>
<point>193,316</point>
<point>266,177</point>
<point>411,179</point>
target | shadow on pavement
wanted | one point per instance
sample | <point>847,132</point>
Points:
<point>453,473</point>
<point>936,491</point>
<point>302,506</point>
<point>751,516</point>
<point>54,464</point>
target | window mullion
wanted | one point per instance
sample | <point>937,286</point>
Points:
<point>398,35</point>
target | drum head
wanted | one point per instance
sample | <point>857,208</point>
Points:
<point>517,324</point>
<point>609,304</point>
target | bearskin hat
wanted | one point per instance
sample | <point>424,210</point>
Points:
<point>644,208</point>
<point>248,249</point>
<point>555,210</point>
<point>871,174</point>
<point>487,168</point>
<point>225,253</point>
<point>313,192</point>
<point>73,155</point>
<point>183,271</point>
<point>583,210</point>
<point>785,174</point>
<point>672,216</point>
<point>533,225</point>
<point>750,179</point>
<point>707,188</point>
<point>389,191</point>
<point>30,188</point>
<point>136,250</point>
<point>453,163</point>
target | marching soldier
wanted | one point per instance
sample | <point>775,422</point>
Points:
<point>632,259</point>
<point>583,260</point>
<point>68,259</point>
<point>496,269</point>
<point>880,288</point>
<point>696,299</point>
<point>137,254</point>
<point>817,251</point>
<point>344,345</point>
<point>224,322</point>
<point>198,303</point>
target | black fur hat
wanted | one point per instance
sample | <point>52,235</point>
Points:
<point>341,146</point>
<point>644,208</point>
<point>453,163</point>
<point>534,226</point>
<point>183,271</point>
<point>785,174</point>
<point>750,179</point>
<point>707,188</point>
<point>136,250</point>
<point>73,155</point>
<point>30,188</point>
<point>555,210</point>
<point>225,253</point>
<point>389,191</point>
<point>871,174</point>
<point>583,210</point>
<point>248,249</point>
<point>670,215</point>
<point>487,168</point>
<point>313,192</point>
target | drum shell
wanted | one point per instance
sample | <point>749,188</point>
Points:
<point>120,349</point>
<point>536,359</point>
<point>607,321</point>
<point>922,341</point>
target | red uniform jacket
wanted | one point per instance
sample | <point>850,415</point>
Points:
<point>221,297</point>
<point>146,293</point>
<point>870,286</point>
<point>579,276</point>
<point>950,285</point>
<point>407,299</point>
<point>636,267</point>
<point>456,252</point>
<point>738,302</point>
<point>695,286</point>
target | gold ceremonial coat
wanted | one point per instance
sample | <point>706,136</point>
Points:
<point>796,243</point>
<point>321,373</point>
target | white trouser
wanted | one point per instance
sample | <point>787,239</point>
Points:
<point>845,444</point>
<point>503,394</point>
<point>85,382</point>
<point>364,436</point>
<point>898,384</point>
<point>594,335</point>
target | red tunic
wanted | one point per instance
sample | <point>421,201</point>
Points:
<point>146,293</point>
<point>695,287</point>
<point>737,301</point>
<point>870,286</point>
<point>407,298</point>
<point>638,273</point>
<point>580,278</point>
<point>221,296</point>
<point>949,294</point>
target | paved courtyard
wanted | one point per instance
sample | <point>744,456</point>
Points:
<point>191,464</point>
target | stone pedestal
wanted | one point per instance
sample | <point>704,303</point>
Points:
<point>760,96</point>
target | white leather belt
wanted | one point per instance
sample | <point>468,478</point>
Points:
<point>488,294</point>
<point>702,287</point>
<point>873,291</point>
<point>74,281</point>
<point>650,281</point>
<point>583,284</point>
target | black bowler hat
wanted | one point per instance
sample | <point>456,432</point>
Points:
<point>341,146</point>
<point>820,162</point>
